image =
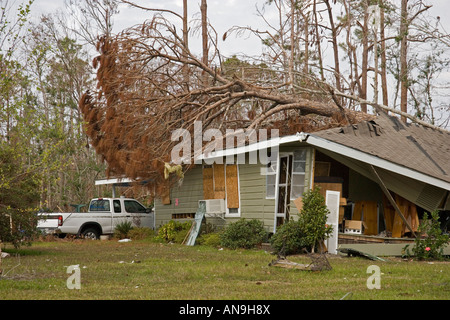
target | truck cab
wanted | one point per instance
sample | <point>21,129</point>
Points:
<point>103,215</point>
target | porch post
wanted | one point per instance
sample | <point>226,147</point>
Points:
<point>392,201</point>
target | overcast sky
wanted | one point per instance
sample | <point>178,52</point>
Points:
<point>223,14</point>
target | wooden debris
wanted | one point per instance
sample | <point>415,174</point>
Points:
<point>319,263</point>
<point>283,263</point>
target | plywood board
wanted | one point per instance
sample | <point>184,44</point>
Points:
<point>208,183</point>
<point>219,181</point>
<point>370,212</point>
<point>232,187</point>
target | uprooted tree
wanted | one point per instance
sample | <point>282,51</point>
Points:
<point>150,84</point>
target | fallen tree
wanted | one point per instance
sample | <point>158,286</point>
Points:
<point>149,84</point>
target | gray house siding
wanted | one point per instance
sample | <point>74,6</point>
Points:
<point>183,198</point>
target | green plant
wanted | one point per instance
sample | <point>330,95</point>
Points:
<point>313,218</point>
<point>123,229</point>
<point>170,232</point>
<point>210,239</point>
<point>288,239</point>
<point>430,242</point>
<point>243,234</point>
<point>141,233</point>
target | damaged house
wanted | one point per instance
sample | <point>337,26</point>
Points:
<point>378,178</point>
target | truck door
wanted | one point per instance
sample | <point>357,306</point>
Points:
<point>140,216</point>
<point>100,212</point>
<point>119,215</point>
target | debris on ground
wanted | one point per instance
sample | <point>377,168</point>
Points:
<point>357,253</point>
<point>319,263</point>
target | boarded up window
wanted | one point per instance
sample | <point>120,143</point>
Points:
<point>219,181</point>
<point>232,186</point>
<point>208,182</point>
<point>222,182</point>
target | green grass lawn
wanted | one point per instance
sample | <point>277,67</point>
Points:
<point>147,270</point>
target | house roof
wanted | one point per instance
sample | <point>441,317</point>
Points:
<point>411,146</point>
<point>410,150</point>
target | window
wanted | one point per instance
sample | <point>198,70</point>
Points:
<point>99,205</point>
<point>117,206</point>
<point>296,180</point>
<point>222,182</point>
<point>134,207</point>
<point>298,173</point>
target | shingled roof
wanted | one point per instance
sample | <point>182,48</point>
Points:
<point>413,146</point>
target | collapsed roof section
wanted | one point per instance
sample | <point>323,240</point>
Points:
<point>411,160</point>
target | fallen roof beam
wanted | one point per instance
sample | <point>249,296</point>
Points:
<point>392,201</point>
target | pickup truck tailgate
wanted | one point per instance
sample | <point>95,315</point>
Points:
<point>48,223</point>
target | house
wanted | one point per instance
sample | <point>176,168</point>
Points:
<point>387,173</point>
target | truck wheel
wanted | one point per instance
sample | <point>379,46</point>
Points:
<point>90,233</point>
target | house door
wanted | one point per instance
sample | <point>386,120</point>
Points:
<point>283,190</point>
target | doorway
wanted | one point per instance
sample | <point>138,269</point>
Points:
<point>283,191</point>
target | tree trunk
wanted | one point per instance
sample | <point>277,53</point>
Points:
<point>365,58</point>
<point>384,87</point>
<point>203,10</point>
<point>185,42</point>
<point>403,58</point>
<point>319,50</point>
<point>337,70</point>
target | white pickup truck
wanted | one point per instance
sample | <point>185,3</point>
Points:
<point>103,215</point>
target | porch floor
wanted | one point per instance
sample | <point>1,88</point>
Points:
<point>378,246</point>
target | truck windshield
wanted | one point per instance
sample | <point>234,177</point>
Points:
<point>134,207</point>
<point>99,205</point>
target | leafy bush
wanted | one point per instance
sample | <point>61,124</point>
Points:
<point>122,229</point>
<point>313,219</point>
<point>308,231</point>
<point>430,242</point>
<point>173,231</point>
<point>243,234</point>
<point>141,233</point>
<point>210,239</point>
<point>288,239</point>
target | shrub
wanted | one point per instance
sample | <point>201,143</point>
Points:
<point>243,234</point>
<point>122,229</point>
<point>210,239</point>
<point>430,242</point>
<point>141,233</point>
<point>313,219</point>
<point>169,231</point>
<point>288,239</point>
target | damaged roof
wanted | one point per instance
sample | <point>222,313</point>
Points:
<point>413,146</point>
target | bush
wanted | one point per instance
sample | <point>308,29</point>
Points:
<point>430,242</point>
<point>243,234</point>
<point>173,231</point>
<point>210,239</point>
<point>288,239</point>
<point>308,231</point>
<point>122,230</point>
<point>313,219</point>
<point>141,233</point>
